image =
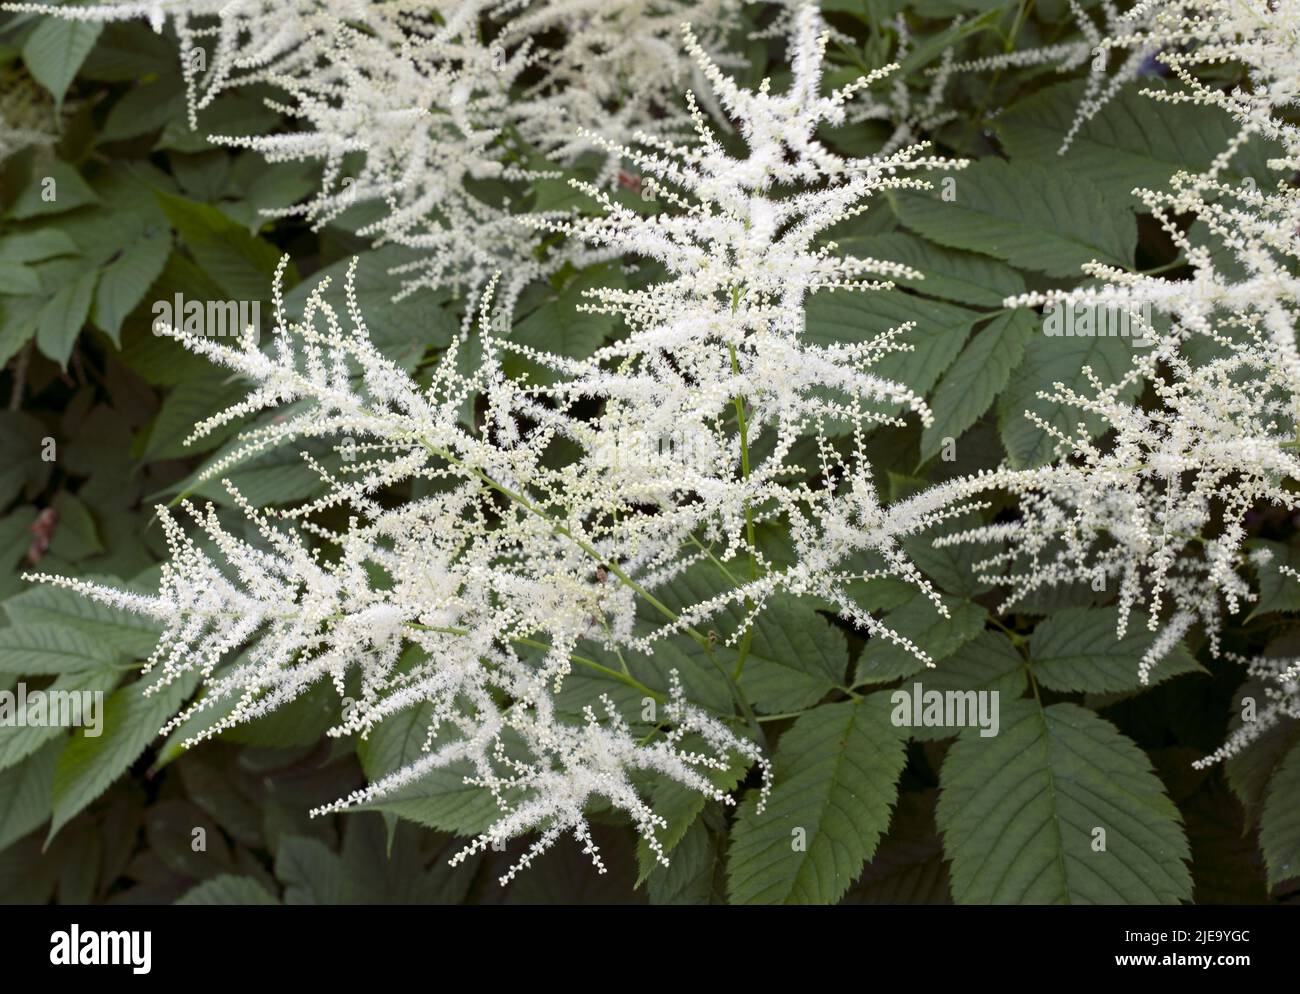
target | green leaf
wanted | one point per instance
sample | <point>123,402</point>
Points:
<point>278,475</point>
<point>19,742</point>
<point>1018,813</point>
<point>69,191</point>
<point>952,568</point>
<point>20,454</point>
<point>1278,591</point>
<point>680,806</point>
<point>55,50</point>
<point>18,317</point>
<point>961,276</point>
<point>558,327</point>
<point>987,662</point>
<point>25,794</point>
<point>62,318</point>
<point>835,780</point>
<point>1076,649</point>
<point>185,406</point>
<point>410,871</point>
<point>977,377</point>
<point>1050,360</point>
<point>941,330</point>
<point>76,537</point>
<point>128,633</point>
<point>1250,771</point>
<point>908,867</point>
<point>1279,826</point>
<point>920,621</point>
<point>145,108</point>
<point>696,875</point>
<point>34,246</point>
<point>18,280</point>
<point>88,765</point>
<point>795,659</point>
<point>46,649</point>
<point>240,263</point>
<point>232,114</point>
<point>127,51</point>
<point>1134,141</point>
<point>127,278</point>
<point>403,330</point>
<point>438,799</point>
<point>1028,215</point>
<point>262,185</point>
<point>228,889</point>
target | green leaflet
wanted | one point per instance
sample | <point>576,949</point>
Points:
<point>440,799</point>
<point>964,277</point>
<point>920,621</point>
<point>796,657</point>
<point>51,649</point>
<point>1250,771</point>
<point>277,475</point>
<point>241,264</point>
<point>1019,811</point>
<point>908,867</point>
<point>1279,826</point>
<point>1076,649</point>
<point>131,720</point>
<point>558,326</point>
<point>988,662</point>
<point>124,282</point>
<point>64,315</point>
<point>56,188</point>
<point>697,874</point>
<point>1277,590</point>
<point>1135,140</point>
<point>25,794</point>
<point>939,332</point>
<point>977,376</point>
<point>184,407</point>
<point>1049,360</point>
<point>1028,215</point>
<point>681,807</point>
<point>401,330</point>
<point>835,776</point>
<point>77,536</point>
<point>17,743</point>
<point>131,634</point>
<point>55,50</point>
<point>21,466</point>
<point>413,870</point>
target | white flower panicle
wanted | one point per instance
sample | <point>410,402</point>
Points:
<point>1279,680</point>
<point>533,539</point>
<point>1156,508</point>
<point>424,100</point>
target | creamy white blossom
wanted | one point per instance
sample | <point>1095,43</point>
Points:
<point>537,535</point>
<point>1156,506</point>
